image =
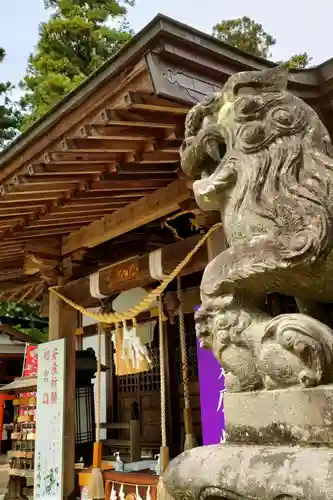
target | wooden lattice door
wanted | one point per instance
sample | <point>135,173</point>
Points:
<point>144,389</point>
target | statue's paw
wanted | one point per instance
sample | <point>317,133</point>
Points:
<point>269,383</point>
<point>205,195</point>
<point>232,383</point>
<point>299,349</point>
<point>245,383</point>
<point>307,378</point>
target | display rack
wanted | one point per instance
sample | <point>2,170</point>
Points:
<point>21,458</point>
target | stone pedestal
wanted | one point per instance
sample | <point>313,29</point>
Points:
<point>279,447</point>
<point>285,416</point>
<point>235,472</point>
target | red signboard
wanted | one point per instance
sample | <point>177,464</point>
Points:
<point>29,370</point>
<point>31,361</point>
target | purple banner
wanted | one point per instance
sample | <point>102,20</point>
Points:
<point>211,383</point>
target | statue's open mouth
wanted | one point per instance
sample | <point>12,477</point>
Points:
<point>215,155</point>
<point>201,156</point>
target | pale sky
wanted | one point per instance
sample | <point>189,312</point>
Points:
<point>298,25</point>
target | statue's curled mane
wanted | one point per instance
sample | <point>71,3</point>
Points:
<point>281,156</point>
<point>291,176</point>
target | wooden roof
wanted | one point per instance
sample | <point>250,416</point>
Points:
<point>14,334</point>
<point>20,384</point>
<point>105,160</point>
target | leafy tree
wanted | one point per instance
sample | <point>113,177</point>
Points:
<point>72,44</point>
<point>9,113</point>
<point>300,61</point>
<point>25,318</point>
<point>245,34</point>
<point>26,311</point>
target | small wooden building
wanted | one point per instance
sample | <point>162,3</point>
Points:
<point>95,185</point>
<point>12,349</point>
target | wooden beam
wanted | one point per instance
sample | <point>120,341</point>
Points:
<point>10,286</point>
<point>48,248</point>
<point>34,264</point>
<point>99,145</point>
<point>150,102</point>
<point>73,213</point>
<point>8,212</point>
<point>151,170</point>
<point>51,177</point>
<point>147,180</point>
<point>72,169</point>
<point>126,133</point>
<point>76,157</point>
<point>136,272</point>
<point>122,184</point>
<point>136,214</point>
<point>124,118</point>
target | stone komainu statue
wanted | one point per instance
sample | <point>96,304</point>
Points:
<point>262,157</point>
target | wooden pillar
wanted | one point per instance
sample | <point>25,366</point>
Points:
<point>109,377</point>
<point>135,441</point>
<point>63,321</point>
<point>171,387</point>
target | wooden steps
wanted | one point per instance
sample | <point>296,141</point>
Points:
<point>116,425</point>
<point>112,445</point>
<point>117,443</point>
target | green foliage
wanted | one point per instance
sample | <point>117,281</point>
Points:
<point>13,309</point>
<point>246,34</point>
<point>72,44</point>
<point>35,334</point>
<point>300,61</point>
<point>9,112</point>
<point>29,312</point>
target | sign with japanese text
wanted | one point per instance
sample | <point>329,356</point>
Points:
<point>211,384</point>
<point>48,482</point>
<point>30,367</point>
<point>30,361</point>
<point>84,493</point>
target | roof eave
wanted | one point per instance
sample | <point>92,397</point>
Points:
<point>143,41</point>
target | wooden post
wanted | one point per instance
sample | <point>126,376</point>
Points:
<point>109,377</point>
<point>63,321</point>
<point>135,441</point>
<point>171,388</point>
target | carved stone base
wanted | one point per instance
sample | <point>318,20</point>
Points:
<point>234,472</point>
<point>287,416</point>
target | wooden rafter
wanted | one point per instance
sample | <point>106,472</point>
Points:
<point>123,154</point>
<point>30,291</point>
<point>136,214</point>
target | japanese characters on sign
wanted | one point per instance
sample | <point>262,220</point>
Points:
<point>211,383</point>
<point>50,421</point>
<point>123,273</point>
<point>29,370</point>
